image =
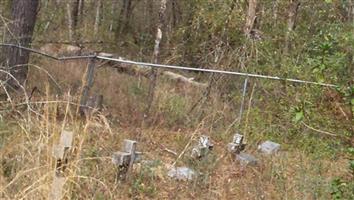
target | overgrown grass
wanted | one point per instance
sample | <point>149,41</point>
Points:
<point>311,165</point>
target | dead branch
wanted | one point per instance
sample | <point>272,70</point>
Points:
<point>138,70</point>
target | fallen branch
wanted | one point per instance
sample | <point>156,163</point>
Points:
<point>130,69</point>
<point>319,131</point>
<point>138,70</point>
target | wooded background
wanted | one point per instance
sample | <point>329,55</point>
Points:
<point>304,39</point>
<point>301,39</point>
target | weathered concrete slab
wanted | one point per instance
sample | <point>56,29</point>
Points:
<point>129,146</point>
<point>246,159</point>
<point>66,139</point>
<point>57,188</point>
<point>121,158</point>
<point>182,173</point>
<point>269,147</point>
<point>58,151</point>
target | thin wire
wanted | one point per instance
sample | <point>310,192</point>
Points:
<point>216,71</point>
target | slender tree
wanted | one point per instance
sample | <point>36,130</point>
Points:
<point>155,57</point>
<point>292,15</point>
<point>124,17</point>
<point>75,13</point>
<point>98,17</point>
<point>23,15</point>
<point>251,17</point>
<point>70,20</point>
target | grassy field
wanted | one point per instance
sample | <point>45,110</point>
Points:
<point>314,131</point>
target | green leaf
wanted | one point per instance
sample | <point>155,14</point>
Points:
<point>298,116</point>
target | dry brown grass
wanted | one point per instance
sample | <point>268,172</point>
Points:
<point>27,165</point>
<point>91,175</point>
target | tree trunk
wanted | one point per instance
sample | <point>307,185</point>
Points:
<point>350,11</point>
<point>113,11</point>
<point>251,17</point>
<point>176,13</point>
<point>155,57</point>
<point>70,20</point>
<point>124,17</point>
<point>292,14</point>
<point>98,17</point>
<point>75,13</point>
<point>24,15</point>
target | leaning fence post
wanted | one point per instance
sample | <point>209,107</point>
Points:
<point>88,85</point>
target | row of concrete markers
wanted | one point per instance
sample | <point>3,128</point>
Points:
<point>125,159</point>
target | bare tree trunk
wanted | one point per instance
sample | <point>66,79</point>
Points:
<point>350,11</point>
<point>176,13</point>
<point>124,17</point>
<point>292,14</point>
<point>155,57</point>
<point>249,31</point>
<point>81,8</point>
<point>113,11</point>
<point>251,17</point>
<point>24,14</point>
<point>98,17</point>
<point>70,20</point>
<point>75,13</point>
<point>150,18</point>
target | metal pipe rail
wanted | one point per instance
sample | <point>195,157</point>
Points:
<point>119,60</point>
<point>47,55</point>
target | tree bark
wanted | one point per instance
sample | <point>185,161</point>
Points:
<point>24,15</point>
<point>292,14</point>
<point>176,13</point>
<point>70,20</point>
<point>75,13</point>
<point>98,17</point>
<point>124,17</point>
<point>113,11</point>
<point>350,11</point>
<point>144,71</point>
<point>251,17</point>
<point>155,57</point>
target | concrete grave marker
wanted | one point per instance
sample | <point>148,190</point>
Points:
<point>125,159</point>
<point>60,153</point>
<point>202,148</point>
<point>237,145</point>
<point>57,188</point>
<point>269,147</point>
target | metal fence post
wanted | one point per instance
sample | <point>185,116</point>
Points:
<point>88,85</point>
